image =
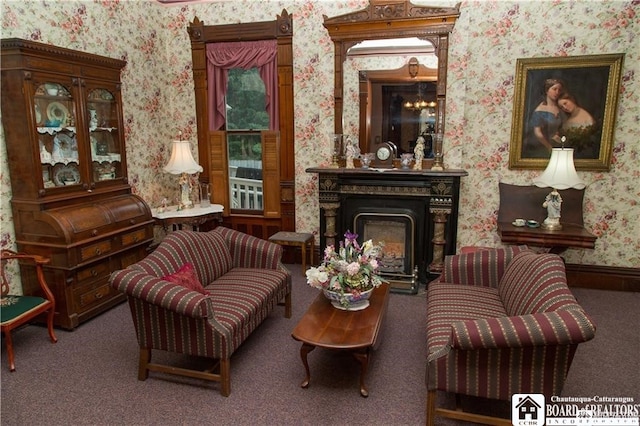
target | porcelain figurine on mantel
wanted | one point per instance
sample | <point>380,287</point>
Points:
<point>418,151</point>
<point>351,152</point>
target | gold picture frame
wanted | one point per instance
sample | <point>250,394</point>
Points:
<point>587,87</point>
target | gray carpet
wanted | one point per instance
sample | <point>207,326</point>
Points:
<point>90,376</point>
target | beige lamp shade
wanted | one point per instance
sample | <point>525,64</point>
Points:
<point>181,160</point>
<point>560,172</point>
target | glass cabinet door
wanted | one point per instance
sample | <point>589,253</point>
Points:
<point>104,134</point>
<point>55,121</point>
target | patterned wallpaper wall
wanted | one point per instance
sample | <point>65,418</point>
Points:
<point>487,40</point>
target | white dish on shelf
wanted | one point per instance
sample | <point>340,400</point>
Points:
<point>65,147</point>
<point>57,111</point>
<point>66,174</point>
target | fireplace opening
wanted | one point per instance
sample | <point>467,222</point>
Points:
<point>396,233</point>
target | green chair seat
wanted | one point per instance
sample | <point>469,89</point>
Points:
<point>15,307</point>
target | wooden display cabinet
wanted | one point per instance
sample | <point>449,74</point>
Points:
<point>63,126</point>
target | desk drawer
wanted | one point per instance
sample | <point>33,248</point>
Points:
<point>134,237</point>
<point>93,294</point>
<point>93,272</point>
<point>95,250</point>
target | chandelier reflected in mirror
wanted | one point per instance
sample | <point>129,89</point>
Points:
<point>420,102</point>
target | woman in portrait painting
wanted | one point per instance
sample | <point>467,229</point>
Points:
<point>545,122</point>
<point>579,127</point>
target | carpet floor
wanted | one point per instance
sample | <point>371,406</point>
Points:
<point>90,376</point>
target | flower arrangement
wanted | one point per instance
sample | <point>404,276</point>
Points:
<point>350,270</point>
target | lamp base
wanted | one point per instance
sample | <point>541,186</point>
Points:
<point>185,193</point>
<point>182,206</point>
<point>551,224</point>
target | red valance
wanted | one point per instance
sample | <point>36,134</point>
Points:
<point>246,55</point>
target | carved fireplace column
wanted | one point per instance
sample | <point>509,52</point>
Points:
<point>329,200</point>
<point>440,216</point>
<point>330,213</point>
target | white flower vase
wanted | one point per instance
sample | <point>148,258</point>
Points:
<point>349,302</point>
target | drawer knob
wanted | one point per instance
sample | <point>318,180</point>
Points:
<point>94,232</point>
<point>98,251</point>
<point>94,272</point>
<point>98,295</point>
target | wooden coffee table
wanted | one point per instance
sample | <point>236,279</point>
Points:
<point>331,328</point>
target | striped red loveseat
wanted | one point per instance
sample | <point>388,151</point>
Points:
<point>500,322</point>
<point>243,280</point>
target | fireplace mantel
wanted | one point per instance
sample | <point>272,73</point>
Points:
<point>432,196</point>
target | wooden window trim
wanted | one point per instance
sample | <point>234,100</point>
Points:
<point>278,154</point>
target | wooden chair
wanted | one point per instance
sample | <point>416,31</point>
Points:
<point>19,310</point>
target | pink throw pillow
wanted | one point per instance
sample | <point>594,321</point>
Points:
<point>186,277</point>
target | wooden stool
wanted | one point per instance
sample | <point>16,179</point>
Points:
<point>297,239</point>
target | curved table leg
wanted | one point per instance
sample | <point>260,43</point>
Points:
<point>304,350</point>
<point>363,358</point>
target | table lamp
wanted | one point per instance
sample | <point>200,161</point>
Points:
<point>182,163</point>
<point>559,174</point>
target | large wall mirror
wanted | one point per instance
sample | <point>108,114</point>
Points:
<point>397,105</point>
<point>376,70</point>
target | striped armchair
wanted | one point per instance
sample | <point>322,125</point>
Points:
<point>243,279</point>
<point>500,322</point>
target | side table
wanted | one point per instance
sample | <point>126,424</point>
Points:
<point>570,236</point>
<point>194,217</point>
<point>297,239</point>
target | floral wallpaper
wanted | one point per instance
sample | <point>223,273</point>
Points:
<point>488,38</point>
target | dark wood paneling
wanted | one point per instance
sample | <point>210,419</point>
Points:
<point>603,277</point>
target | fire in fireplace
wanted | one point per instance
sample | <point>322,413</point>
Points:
<point>395,232</point>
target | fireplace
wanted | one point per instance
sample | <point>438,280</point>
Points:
<point>399,230</point>
<point>414,213</point>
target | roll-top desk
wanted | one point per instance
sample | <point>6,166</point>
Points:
<point>71,199</point>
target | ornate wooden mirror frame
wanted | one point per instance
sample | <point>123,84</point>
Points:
<point>390,19</point>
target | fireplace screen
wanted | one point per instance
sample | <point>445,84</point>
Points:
<point>395,233</point>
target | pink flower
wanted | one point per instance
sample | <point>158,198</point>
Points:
<point>353,268</point>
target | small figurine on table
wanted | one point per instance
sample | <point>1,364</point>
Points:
<point>552,203</point>
<point>163,205</point>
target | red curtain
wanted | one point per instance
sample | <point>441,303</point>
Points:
<point>246,55</point>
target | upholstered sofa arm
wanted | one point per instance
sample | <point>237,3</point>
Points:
<point>564,327</point>
<point>155,291</point>
<point>248,251</point>
<point>482,268</point>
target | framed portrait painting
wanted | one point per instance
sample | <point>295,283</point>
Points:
<point>565,101</point>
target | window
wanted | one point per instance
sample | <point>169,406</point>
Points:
<point>217,51</point>
<point>246,118</point>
